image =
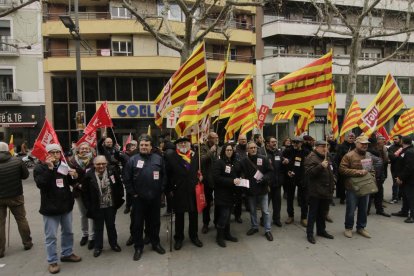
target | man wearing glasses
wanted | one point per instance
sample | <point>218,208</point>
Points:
<point>56,206</point>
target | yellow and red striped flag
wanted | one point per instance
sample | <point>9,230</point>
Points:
<point>226,107</point>
<point>11,145</point>
<point>351,119</point>
<point>212,101</point>
<point>178,87</point>
<point>386,104</point>
<point>333,115</point>
<point>307,116</point>
<point>305,87</point>
<point>250,124</point>
<point>404,125</point>
<point>283,116</point>
<point>188,116</point>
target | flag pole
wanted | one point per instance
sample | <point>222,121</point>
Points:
<point>8,231</point>
<point>113,132</point>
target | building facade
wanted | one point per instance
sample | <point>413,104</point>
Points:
<point>123,64</point>
<point>286,42</point>
<point>21,74</point>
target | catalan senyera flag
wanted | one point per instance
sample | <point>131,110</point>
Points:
<point>333,115</point>
<point>386,104</point>
<point>404,125</point>
<point>283,116</point>
<point>11,145</point>
<point>226,107</point>
<point>177,89</point>
<point>188,116</point>
<point>212,100</point>
<point>307,117</point>
<point>351,118</point>
<point>250,124</point>
<point>305,87</point>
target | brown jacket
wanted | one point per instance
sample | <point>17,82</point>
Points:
<point>350,164</point>
<point>320,180</point>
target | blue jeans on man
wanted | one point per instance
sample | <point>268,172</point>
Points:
<point>262,200</point>
<point>352,203</point>
<point>51,225</point>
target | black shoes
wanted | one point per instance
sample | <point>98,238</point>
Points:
<point>325,235</point>
<point>97,252</point>
<point>116,248</point>
<point>220,237</point>
<point>137,254</point>
<point>127,210</point>
<point>197,242</point>
<point>409,220</point>
<point>178,244</point>
<point>342,201</point>
<point>130,241</point>
<point>83,241</point>
<point>91,244</point>
<point>400,214</point>
<point>28,246</point>
<point>238,220</point>
<point>311,239</point>
<point>252,231</point>
<point>158,248</point>
<point>146,240</point>
<point>384,214</point>
<point>269,236</point>
<point>204,230</point>
<point>277,223</point>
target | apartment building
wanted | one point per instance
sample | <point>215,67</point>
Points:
<point>286,42</point>
<point>124,65</point>
<point>21,74</point>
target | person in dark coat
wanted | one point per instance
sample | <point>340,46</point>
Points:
<point>240,192</point>
<point>182,172</point>
<point>144,178</point>
<point>56,204</point>
<point>393,155</point>
<point>130,150</point>
<point>258,170</point>
<point>103,197</point>
<point>319,170</point>
<point>225,179</point>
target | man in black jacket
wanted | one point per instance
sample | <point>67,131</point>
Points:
<point>56,205</point>
<point>393,155</point>
<point>12,171</point>
<point>258,170</point>
<point>405,176</point>
<point>144,178</point>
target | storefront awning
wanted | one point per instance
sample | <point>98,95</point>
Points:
<point>18,125</point>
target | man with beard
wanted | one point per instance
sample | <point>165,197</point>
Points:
<point>347,146</point>
<point>209,154</point>
<point>258,139</point>
<point>182,172</point>
<point>241,152</point>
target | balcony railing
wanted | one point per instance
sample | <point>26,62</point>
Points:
<point>7,46</point>
<point>220,56</point>
<point>10,96</point>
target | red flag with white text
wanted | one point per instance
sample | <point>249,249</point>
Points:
<point>99,120</point>
<point>89,138</point>
<point>46,136</point>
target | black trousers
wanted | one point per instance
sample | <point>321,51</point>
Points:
<point>223,216</point>
<point>275,196</point>
<point>318,208</point>
<point>409,194</point>
<point>340,188</point>
<point>302,196</point>
<point>209,200</point>
<point>128,202</point>
<point>179,225</point>
<point>105,216</point>
<point>377,198</point>
<point>146,211</point>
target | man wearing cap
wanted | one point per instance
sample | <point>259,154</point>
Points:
<point>56,206</point>
<point>351,166</point>
<point>319,169</point>
<point>347,146</point>
<point>12,171</point>
<point>294,168</point>
<point>182,173</point>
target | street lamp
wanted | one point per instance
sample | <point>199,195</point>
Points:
<point>74,31</point>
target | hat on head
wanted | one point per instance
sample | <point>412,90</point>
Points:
<point>181,139</point>
<point>4,146</point>
<point>362,140</point>
<point>297,139</point>
<point>321,143</point>
<point>308,138</point>
<point>51,147</point>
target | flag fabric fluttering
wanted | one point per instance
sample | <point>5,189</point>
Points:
<point>351,119</point>
<point>11,145</point>
<point>128,140</point>
<point>332,115</point>
<point>386,104</point>
<point>287,115</point>
<point>383,132</point>
<point>89,138</point>
<point>100,119</point>
<point>46,136</point>
<point>404,125</point>
<point>307,116</point>
<point>178,87</point>
<point>305,87</point>
<point>188,116</point>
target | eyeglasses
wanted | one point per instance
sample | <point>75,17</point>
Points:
<point>54,152</point>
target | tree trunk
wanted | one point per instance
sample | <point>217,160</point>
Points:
<point>185,53</point>
<point>353,71</point>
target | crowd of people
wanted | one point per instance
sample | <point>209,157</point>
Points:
<point>251,173</point>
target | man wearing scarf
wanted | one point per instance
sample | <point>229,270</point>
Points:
<point>182,171</point>
<point>81,161</point>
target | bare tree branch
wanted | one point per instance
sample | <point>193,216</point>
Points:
<point>167,23</point>
<point>15,8</point>
<point>183,6</point>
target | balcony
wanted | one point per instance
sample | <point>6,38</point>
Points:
<point>8,47</point>
<point>10,97</point>
<point>5,4</point>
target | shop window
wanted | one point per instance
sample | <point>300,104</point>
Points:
<point>121,48</point>
<point>140,89</point>
<point>155,87</point>
<point>362,84</point>
<point>90,87</point>
<point>60,116</point>
<point>90,110</point>
<point>72,115</point>
<point>73,96</point>
<point>60,90</point>
<point>230,86</point>
<point>107,89</point>
<point>123,89</point>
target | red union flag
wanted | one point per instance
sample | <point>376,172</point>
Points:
<point>264,109</point>
<point>89,138</point>
<point>370,117</point>
<point>46,136</point>
<point>99,120</point>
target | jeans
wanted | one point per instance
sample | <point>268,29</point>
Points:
<point>16,206</point>
<point>352,203</point>
<point>223,216</point>
<point>262,200</point>
<point>318,208</point>
<point>51,225</point>
<point>87,227</point>
<point>107,216</point>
